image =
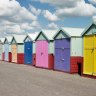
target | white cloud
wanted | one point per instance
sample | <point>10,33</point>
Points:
<point>52,26</point>
<point>82,9</point>
<point>35,24</point>
<point>15,29</point>
<point>14,18</point>
<point>61,3</point>
<point>34,10</point>
<point>22,28</point>
<point>12,11</point>
<point>92,1</point>
<point>72,7</point>
<point>94,19</point>
<point>26,26</point>
<point>48,15</point>
<point>11,29</point>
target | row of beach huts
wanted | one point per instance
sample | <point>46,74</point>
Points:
<point>70,50</point>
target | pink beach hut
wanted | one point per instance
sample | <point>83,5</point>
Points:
<point>45,49</point>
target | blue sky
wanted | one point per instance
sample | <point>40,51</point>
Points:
<point>23,16</point>
<point>83,21</point>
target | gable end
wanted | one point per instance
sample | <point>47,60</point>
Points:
<point>61,35</point>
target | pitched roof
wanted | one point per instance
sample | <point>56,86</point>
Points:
<point>19,38</point>
<point>70,32</point>
<point>48,33</point>
<point>93,23</point>
<point>2,40</point>
<point>73,31</point>
<point>33,35</point>
<point>9,38</point>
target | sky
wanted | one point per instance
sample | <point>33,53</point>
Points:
<point>26,16</point>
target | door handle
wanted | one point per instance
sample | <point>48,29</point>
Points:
<point>28,48</point>
<point>41,53</point>
<point>62,48</point>
<point>62,59</point>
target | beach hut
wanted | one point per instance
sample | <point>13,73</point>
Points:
<point>29,49</point>
<point>17,47</point>
<point>68,50</point>
<point>2,48</point>
<point>45,49</point>
<point>7,48</point>
<point>89,51</point>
